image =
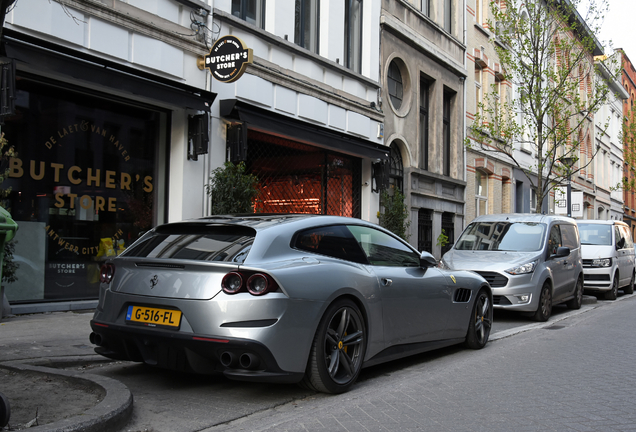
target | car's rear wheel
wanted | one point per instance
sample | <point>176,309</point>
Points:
<point>480,321</point>
<point>338,349</point>
<point>544,310</point>
<point>629,289</point>
<point>613,293</point>
<point>577,301</point>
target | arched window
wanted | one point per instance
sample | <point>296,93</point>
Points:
<point>396,169</point>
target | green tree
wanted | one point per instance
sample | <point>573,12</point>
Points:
<point>395,216</point>
<point>546,50</point>
<point>232,190</point>
<point>628,138</point>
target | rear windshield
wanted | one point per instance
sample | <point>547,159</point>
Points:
<point>195,242</point>
<point>595,234</point>
<point>502,236</point>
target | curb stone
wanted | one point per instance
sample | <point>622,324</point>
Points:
<point>112,413</point>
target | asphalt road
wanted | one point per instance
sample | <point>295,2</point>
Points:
<point>417,388</point>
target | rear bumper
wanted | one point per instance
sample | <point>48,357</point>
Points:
<point>239,359</point>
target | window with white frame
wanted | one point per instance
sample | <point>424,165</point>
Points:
<point>353,35</point>
<point>426,7</point>
<point>479,75</point>
<point>307,24</point>
<point>448,15</point>
<point>533,200</point>
<point>478,12</point>
<point>252,11</point>
<point>481,193</point>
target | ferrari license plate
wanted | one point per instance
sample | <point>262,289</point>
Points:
<point>153,316</point>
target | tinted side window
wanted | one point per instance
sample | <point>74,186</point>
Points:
<point>617,236</point>
<point>629,243</point>
<point>554,241</point>
<point>570,236</point>
<point>384,250</point>
<point>335,241</point>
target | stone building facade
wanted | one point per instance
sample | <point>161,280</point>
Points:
<point>423,70</point>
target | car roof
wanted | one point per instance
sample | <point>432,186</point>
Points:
<point>601,222</point>
<point>522,217</point>
<point>264,221</point>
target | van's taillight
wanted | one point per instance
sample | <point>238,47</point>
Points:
<point>255,283</point>
<point>107,272</point>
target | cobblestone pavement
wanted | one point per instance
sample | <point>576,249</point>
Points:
<point>575,375</point>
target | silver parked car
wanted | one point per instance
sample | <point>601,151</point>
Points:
<point>282,298</point>
<point>531,261</point>
<point>608,257</point>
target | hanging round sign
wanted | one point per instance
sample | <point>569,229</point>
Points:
<point>228,59</point>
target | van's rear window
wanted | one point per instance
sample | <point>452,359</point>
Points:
<point>502,236</point>
<point>195,242</point>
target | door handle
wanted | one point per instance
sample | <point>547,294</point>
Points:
<point>386,282</point>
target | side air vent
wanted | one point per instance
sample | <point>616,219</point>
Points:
<point>160,265</point>
<point>462,295</point>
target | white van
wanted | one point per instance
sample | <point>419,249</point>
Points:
<point>607,250</point>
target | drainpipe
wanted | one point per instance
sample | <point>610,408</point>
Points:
<point>208,86</point>
<point>464,115</point>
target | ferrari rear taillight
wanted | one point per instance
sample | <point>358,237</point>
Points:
<point>256,284</point>
<point>232,282</point>
<point>107,271</point>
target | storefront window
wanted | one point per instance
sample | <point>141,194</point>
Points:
<point>86,182</point>
<point>298,178</point>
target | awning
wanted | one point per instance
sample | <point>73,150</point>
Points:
<point>268,121</point>
<point>48,58</point>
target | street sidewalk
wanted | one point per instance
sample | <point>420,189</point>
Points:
<point>42,395</point>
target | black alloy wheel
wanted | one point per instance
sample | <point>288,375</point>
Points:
<point>480,321</point>
<point>613,293</point>
<point>338,349</point>
<point>577,301</point>
<point>545,304</point>
<point>5,411</point>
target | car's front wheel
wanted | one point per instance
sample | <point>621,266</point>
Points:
<point>338,349</point>
<point>545,304</point>
<point>629,289</point>
<point>613,293</point>
<point>480,322</point>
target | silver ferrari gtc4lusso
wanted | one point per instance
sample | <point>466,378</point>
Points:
<point>282,298</point>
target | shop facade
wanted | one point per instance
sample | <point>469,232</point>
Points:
<point>307,125</point>
<point>97,131</point>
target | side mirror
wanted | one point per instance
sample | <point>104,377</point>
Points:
<point>427,260</point>
<point>562,252</point>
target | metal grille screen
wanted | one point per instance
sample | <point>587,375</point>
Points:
<point>299,178</point>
